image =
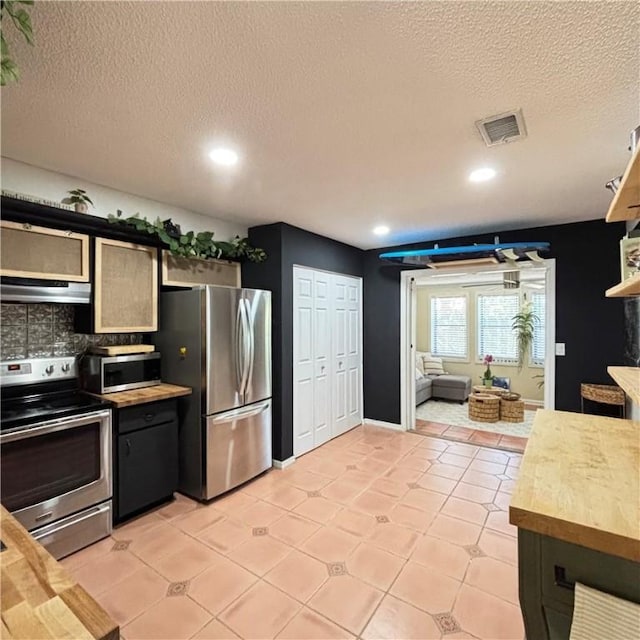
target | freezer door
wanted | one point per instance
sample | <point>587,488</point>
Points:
<point>227,345</point>
<point>238,447</point>
<point>257,309</point>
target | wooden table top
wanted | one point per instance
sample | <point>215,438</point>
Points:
<point>163,391</point>
<point>579,482</point>
<point>629,379</point>
<point>39,598</point>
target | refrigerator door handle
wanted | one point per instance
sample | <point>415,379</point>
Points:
<point>251,344</point>
<point>246,339</point>
<point>238,348</point>
<point>240,413</point>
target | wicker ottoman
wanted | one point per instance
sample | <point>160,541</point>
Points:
<point>484,407</point>
<point>511,410</point>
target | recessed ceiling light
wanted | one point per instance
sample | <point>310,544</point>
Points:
<point>224,157</point>
<point>482,175</point>
<point>381,230</point>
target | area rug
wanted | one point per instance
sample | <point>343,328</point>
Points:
<point>457,414</point>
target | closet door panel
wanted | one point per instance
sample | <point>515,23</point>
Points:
<point>321,355</point>
<point>303,362</point>
<point>354,354</point>
<point>340,327</point>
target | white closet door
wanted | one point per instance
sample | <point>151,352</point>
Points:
<point>354,352</point>
<point>303,362</point>
<point>321,356</point>
<point>347,356</point>
<point>339,350</point>
<point>327,357</point>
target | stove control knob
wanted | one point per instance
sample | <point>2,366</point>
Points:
<point>65,368</point>
<point>49,370</point>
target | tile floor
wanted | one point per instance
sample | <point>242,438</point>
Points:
<point>472,436</point>
<point>376,534</point>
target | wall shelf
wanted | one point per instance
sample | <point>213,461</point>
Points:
<point>626,202</point>
<point>628,378</point>
<point>627,289</point>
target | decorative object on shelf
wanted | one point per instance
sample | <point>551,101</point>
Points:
<point>629,257</point>
<point>191,244</point>
<point>487,376</point>
<point>79,199</point>
<point>524,324</point>
<point>29,198</point>
<point>22,22</point>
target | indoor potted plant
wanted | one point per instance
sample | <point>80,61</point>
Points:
<point>524,323</point>
<point>80,200</point>
<point>487,376</point>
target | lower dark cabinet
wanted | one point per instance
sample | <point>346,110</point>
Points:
<point>147,458</point>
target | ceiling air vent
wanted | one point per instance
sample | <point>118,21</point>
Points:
<point>505,127</point>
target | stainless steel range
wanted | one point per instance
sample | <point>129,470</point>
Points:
<point>55,454</point>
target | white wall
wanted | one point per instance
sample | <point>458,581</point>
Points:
<point>34,181</point>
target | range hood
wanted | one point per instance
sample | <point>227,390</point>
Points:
<point>29,290</point>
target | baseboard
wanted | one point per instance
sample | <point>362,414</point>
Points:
<point>535,403</point>
<point>385,425</point>
<point>283,464</point>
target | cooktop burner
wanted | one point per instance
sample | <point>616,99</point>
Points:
<point>23,410</point>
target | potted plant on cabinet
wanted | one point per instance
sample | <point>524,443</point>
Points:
<point>80,200</point>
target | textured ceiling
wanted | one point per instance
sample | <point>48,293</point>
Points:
<point>346,114</point>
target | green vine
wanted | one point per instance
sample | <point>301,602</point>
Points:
<point>191,244</point>
<point>22,22</point>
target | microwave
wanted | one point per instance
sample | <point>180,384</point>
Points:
<point>108,374</point>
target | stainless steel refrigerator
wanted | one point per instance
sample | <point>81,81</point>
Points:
<point>217,340</point>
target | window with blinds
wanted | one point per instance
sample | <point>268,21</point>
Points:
<point>495,336</point>
<point>449,327</point>
<point>538,346</point>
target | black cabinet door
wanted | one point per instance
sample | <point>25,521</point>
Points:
<point>147,466</point>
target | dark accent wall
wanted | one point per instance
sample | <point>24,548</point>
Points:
<point>287,246</point>
<point>591,325</point>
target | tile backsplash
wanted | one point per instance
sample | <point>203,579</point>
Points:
<point>44,330</point>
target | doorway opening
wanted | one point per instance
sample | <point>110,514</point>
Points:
<point>453,321</point>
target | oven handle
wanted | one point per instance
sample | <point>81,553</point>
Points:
<point>52,426</point>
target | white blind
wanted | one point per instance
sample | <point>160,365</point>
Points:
<point>495,336</point>
<point>449,326</point>
<point>538,344</point>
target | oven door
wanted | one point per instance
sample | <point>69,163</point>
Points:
<point>53,469</point>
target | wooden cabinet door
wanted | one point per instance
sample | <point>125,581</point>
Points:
<point>191,272</point>
<point>47,254</point>
<point>125,287</point>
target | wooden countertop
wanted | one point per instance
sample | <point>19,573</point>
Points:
<point>162,391</point>
<point>579,481</point>
<point>39,598</point>
<point>629,380</point>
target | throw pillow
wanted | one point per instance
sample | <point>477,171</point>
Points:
<point>419,361</point>
<point>418,374</point>
<point>432,365</point>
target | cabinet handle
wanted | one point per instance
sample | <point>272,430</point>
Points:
<point>149,417</point>
<point>128,444</point>
<point>561,578</point>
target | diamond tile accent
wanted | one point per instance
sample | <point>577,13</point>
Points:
<point>491,507</point>
<point>260,531</point>
<point>178,588</point>
<point>382,519</point>
<point>379,448</point>
<point>413,485</point>
<point>337,568</point>
<point>314,494</point>
<point>351,467</point>
<point>121,545</point>
<point>447,623</point>
<point>474,551</point>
